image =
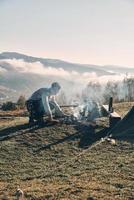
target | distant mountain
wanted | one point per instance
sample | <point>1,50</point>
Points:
<point>118,69</point>
<point>55,63</point>
<point>22,74</point>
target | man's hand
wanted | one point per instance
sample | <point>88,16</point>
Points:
<point>50,119</point>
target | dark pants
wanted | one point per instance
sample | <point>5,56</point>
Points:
<point>36,110</point>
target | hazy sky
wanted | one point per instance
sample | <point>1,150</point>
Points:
<point>82,31</point>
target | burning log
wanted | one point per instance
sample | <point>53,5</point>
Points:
<point>85,113</point>
<point>69,106</point>
<point>69,119</point>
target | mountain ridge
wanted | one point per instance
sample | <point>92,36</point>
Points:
<point>54,63</point>
<point>18,72</point>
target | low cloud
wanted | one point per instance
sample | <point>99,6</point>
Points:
<point>37,68</point>
<point>73,82</point>
<point>2,70</point>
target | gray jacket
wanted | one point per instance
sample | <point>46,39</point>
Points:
<point>45,95</point>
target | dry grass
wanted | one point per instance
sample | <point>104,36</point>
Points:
<point>14,113</point>
<point>123,108</point>
<point>60,162</point>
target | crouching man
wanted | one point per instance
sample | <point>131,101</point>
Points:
<point>42,103</point>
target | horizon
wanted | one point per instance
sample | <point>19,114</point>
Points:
<point>71,62</point>
<point>84,32</point>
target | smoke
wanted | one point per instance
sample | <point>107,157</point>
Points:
<point>2,70</point>
<point>74,76</point>
<point>78,87</point>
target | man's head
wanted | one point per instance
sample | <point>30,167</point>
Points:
<point>55,87</point>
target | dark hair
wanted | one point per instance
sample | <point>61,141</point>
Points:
<point>55,84</point>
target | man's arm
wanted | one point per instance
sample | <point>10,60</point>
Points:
<point>57,107</point>
<point>46,106</point>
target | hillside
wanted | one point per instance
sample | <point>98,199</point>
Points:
<point>21,74</point>
<point>55,63</point>
<point>64,161</point>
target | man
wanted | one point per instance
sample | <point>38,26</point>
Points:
<point>42,102</point>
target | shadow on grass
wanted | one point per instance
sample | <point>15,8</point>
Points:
<point>67,138</point>
<point>86,134</point>
<point>89,135</point>
<point>13,131</point>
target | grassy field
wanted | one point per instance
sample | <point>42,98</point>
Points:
<point>64,162</point>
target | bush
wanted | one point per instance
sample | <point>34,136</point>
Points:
<point>21,102</point>
<point>8,106</point>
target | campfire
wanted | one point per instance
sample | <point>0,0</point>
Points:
<point>83,113</point>
<point>89,111</point>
